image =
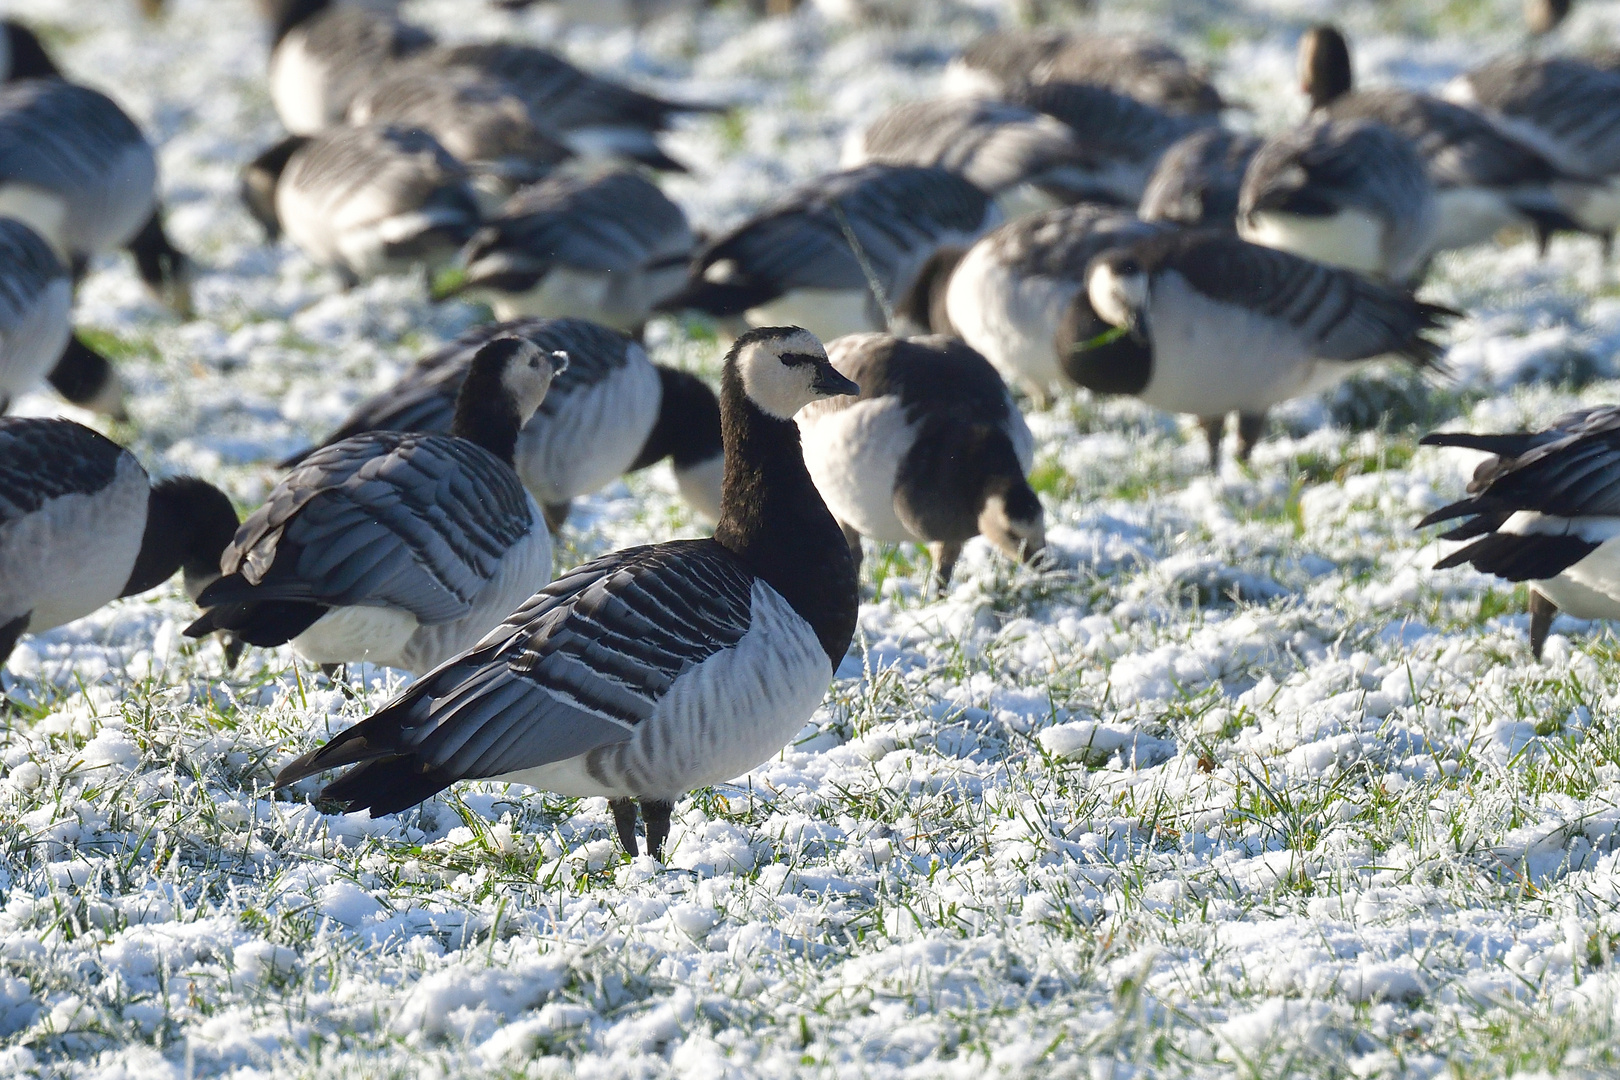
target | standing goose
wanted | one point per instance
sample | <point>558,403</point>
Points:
<point>400,549</point>
<point>363,201</point>
<point>932,452</point>
<point>324,52</point>
<point>1544,509</point>
<point>81,525</point>
<point>612,411</point>
<point>1236,327</point>
<point>653,670</point>
<point>1350,193</point>
<point>1197,180</point>
<point>793,262</point>
<point>1147,70</point>
<point>609,248</point>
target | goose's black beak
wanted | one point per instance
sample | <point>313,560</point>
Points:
<point>829,382</point>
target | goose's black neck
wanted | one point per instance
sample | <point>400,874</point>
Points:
<point>688,426</point>
<point>189,523</point>
<point>774,520</point>
<point>485,412</point>
<point>293,12</point>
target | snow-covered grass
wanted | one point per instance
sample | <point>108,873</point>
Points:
<point>1242,789</point>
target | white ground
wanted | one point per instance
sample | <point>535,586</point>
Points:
<point>1106,823</point>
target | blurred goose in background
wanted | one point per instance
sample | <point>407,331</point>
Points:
<point>1544,508</point>
<point>1197,180</point>
<point>609,248</point>
<point>397,548</point>
<point>75,168</point>
<point>81,524</point>
<point>834,254</point>
<point>1150,71</point>
<point>22,56</point>
<point>933,451</point>
<point>1234,327</point>
<point>363,201</point>
<point>612,411</point>
<point>1350,193</point>
<point>653,670</point>
<point>324,52</point>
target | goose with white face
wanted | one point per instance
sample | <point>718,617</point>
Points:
<point>1118,291</point>
<point>786,370</point>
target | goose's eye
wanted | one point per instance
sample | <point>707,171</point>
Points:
<point>534,363</point>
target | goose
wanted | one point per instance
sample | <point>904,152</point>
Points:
<point>396,547</point>
<point>1197,179</point>
<point>324,52</point>
<point>82,524</point>
<point>1543,509</point>
<point>652,670</point>
<point>1484,179</point>
<point>612,411</point>
<point>933,451</point>
<point>1237,327</point>
<point>1350,193</point>
<point>1149,71</point>
<point>794,263</point>
<point>75,168</point>
<point>22,56</point>
<point>609,248</point>
<point>363,201</point>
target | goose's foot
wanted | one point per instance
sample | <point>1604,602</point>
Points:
<point>656,813</point>
<point>1214,429</point>
<point>1542,613</point>
<point>624,821</point>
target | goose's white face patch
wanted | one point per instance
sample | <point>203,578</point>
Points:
<point>780,387</point>
<point>528,376</point>
<point>1017,538</point>
<point>1116,297</point>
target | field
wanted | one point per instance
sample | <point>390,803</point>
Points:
<point>1243,788</point>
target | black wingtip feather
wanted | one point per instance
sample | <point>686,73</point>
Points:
<point>1513,557</point>
<point>1509,445</point>
<point>387,785</point>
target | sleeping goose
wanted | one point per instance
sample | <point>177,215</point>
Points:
<point>609,248</point>
<point>81,524</point>
<point>1545,509</point>
<point>77,169</point>
<point>1236,327</point>
<point>612,411</point>
<point>363,201</point>
<point>1147,70</point>
<point>324,52</point>
<point>933,451</point>
<point>396,548</point>
<point>653,670</point>
<point>1350,193</point>
<point>22,56</point>
<point>793,262</point>
<point>1197,180</point>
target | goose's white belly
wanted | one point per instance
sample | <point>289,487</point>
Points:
<point>298,84</point>
<point>591,441</point>
<point>718,720</point>
<point>30,349</point>
<point>826,313</point>
<point>1009,317</point>
<point>1350,238</point>
<point>854,455</point>
<point>1472,215</point>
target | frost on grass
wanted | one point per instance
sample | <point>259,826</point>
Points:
<point>1241,789</point>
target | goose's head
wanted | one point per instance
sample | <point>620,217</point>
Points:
<point>521,369</point>
<point>1324,65</point>
<point>259,179</point>
<point>784,368</point>
<point>1117,286</point>
<point>1012,520</point>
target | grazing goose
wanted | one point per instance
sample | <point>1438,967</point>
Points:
<point>1019,297</point>
<point>609,248</point>
<point>394,547</point>
<point>793,262</point>
<point>612,411</point>
<point>653,670</point>
<point>1197,180</point>
<point>1236,327</point>
<point>932,452</point>
<point>1485,180</point>
<point>1350,193</point>
<point>363,201</point>
<point>1147,70</point>
<point>81,524</point>
<point>324,52</point>
<point>22,56</point>
<point>77,169</point>
<point>1544,509</point>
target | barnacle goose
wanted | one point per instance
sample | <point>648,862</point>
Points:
<point>1544,509</point>
<point>1350,193</point>
<point>75,167</point>
<point>397,547</point>
<point>612,411</point>
<point>1236,327</point>
<point>363,201</point>
<point>81,524</point>
<point>609,248</point>
<point>932,452</point>
<point>324,52</point>
<point>653,670</point>
<point>1485,180</point>
<point>22,56</point>
<point>794,262</point>
<point>1147,70</point>
<point>1197,180</point>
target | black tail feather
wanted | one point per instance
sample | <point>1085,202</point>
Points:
<point>1513,557</point>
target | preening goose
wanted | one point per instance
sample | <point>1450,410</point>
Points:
<point>81,524</point>
<point>933,451</point>
<point>363,201</point>
<point>1197,180</point>
<point>609,248</point>
<point>398,548</point>
<point>1545,508</point>
<point>794,261</point>
<point>1349,193</point>
<point>654,670</point>
<point>612,411</point>
<point>1235,327</point>
<point>324,52</point>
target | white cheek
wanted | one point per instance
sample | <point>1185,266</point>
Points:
<point>1112,296</point>
<point>778,388</point>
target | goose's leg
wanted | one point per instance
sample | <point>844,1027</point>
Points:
<point>945,553</point>
<point>234,648</point>
<point>656,812</point>
<point>1542,613</point>
<point>555,514</point>
<point>853,539</point>
<point>624,820</point>
<point>1250,427</point>
<point>1214,428</point>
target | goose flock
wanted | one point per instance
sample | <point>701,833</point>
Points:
<point>1080,213</point>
